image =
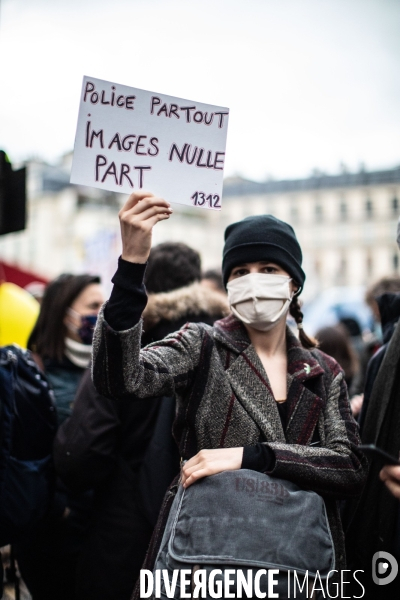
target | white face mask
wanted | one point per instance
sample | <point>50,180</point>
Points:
<point>260,300</point>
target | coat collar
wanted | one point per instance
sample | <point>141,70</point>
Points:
<point>301,363</point>
<point>304,405</point>
<point>251,386</point>
<point>232,333</point>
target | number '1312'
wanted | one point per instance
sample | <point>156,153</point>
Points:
<point>200,198</point>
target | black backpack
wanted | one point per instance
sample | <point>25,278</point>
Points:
<point>28,423</point>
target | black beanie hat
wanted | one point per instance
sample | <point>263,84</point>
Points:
<point>263,237</point>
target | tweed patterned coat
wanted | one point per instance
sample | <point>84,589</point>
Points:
<point>224,400</point>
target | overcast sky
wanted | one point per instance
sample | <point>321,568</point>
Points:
<point>309,83</point>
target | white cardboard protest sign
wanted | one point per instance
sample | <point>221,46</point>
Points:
<point>128,139</point>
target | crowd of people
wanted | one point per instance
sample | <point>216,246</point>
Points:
<point>193,374</point>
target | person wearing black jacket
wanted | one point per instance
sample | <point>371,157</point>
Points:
<point>124,449</point>
<point>61,343</point>
<point>373,522</point>
<point>101,447</point>
<point>389,310</point>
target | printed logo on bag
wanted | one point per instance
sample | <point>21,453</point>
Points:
<point>262,491</point>
<point>384,568</point>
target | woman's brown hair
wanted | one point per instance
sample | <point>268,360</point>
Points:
<point>48,335</point>
<point>295,310</point>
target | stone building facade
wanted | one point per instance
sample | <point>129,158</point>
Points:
<point>346,224</point>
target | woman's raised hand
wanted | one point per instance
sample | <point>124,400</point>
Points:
<point>137,218</point>
<point>211,462</point>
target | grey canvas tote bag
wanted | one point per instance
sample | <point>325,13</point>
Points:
<point>244,520</point>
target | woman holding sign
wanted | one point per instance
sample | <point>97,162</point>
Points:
<point>250,395</point>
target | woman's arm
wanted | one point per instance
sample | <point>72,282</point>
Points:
<point>137,218</point>
<point>128,297</point>
<point>336,469</point>
<point>119,369</point>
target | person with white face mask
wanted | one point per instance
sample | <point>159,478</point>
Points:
<point>260,300</point>
<point>262,272</point>
<point>250,394</point>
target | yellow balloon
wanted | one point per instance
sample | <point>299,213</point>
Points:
<point>18,313</point>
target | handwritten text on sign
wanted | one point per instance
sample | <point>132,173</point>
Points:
<point>128,139</point>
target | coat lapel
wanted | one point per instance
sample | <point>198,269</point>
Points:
<point>250,384</point>
<point>304,404</point>
<point>249,380</point>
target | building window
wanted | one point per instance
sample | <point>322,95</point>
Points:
<point>343,211</point>
<point>318,213</point>
<point>395,206</point>
<point>369,209</point>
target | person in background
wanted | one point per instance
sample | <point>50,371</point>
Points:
<point>171,266</point>
<point>352,328</point>
<point>61,339</point>
<point>373,523</point>
<point>124,449</point>
<point>389,308</point>
<point>383,325</point>
<point>175,294</point>
<point>378,298</point>
<point>62,343</point>
<point>385,285</point>
<point>335,342</point>
<point>213,280</point>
